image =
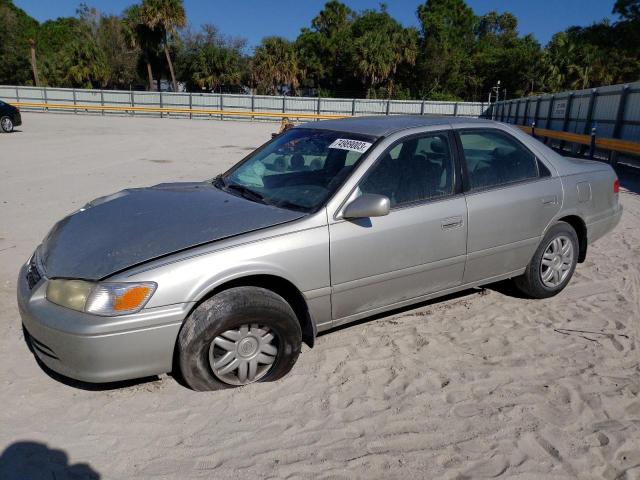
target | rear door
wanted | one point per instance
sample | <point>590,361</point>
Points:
<point>419,247</point>
<point>511,198</point>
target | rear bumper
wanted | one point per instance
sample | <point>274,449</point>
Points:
<point>98,349</point>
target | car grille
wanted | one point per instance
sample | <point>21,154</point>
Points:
<point>33,275</point>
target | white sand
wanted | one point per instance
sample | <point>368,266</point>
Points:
<point>476,386</point>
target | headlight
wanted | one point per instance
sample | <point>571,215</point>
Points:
<point>105,298</point>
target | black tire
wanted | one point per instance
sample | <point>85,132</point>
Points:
<point>531,283</point>
<point>6,124</point>
<point>230,309</point>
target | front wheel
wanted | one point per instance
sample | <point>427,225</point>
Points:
<point>552,265</point>
<point>237,337</point>
<point>6,124</point>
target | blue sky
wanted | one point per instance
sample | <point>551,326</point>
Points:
<point>255,19</point>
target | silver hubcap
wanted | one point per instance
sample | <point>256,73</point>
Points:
<point>557,261</point>
<point>7,124</point>
<point>243,355</point>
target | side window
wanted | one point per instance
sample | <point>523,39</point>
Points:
<point>417,169</point>
<point>494,158</point>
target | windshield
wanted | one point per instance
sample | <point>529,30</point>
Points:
<point>300,169</point>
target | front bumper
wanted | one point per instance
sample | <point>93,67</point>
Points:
<point>17,119</point>
<point>98,349</point>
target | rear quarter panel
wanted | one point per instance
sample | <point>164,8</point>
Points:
<point>588,193</point>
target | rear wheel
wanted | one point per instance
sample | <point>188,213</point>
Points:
<point>237,337</point>
<point>552,265</point>
<point>6,124</point>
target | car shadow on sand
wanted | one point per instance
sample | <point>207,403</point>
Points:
<point>629,178</point>
<point>35,461</point>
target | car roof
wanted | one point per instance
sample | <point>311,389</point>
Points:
<point>384,125</point>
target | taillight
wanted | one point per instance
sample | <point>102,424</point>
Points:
<point>616,186</point>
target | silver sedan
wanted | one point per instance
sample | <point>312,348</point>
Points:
<point>329,222</point>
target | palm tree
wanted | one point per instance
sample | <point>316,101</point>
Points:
<point>165,16</point>
<point>85,64</point>
<point>275,63</point>
<point>559,61</point>
<point>380,46</point>
<point>139,35</point>
<point>34,65</point>
<point>214,67</point>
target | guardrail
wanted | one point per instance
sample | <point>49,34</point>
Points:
<point>192,104</point>
<point>613,111</point>
<point>594,142</point>
<point>190,111</point>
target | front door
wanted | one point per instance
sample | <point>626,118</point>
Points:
<point>419,247</point>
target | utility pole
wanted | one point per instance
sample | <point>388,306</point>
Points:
<point>495,89</point>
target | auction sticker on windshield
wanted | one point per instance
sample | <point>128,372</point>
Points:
<point>352,145</point>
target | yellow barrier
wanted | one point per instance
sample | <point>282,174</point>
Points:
<point>613,144</point>
<point>192,111</point>
<point>566,136</point>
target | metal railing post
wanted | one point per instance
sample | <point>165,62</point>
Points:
<point>102,102</point>
<point>221,106</point>
<point>525,115</point>
<point>75,110</point>
<point>45,98</point>
<point>533,129</point>
<point>284,104</point>
<point>588,119</point>
<point>455,109</point>
<point>253,105</point>
<point>622,102</point>
<point>353,107</point>
<point>17,95</point>
<point>190,105</point>
<point>619,123</point>
<point>592,144</point>
<point>537,110</point>
<point>388,106</point>
<point>318,110</point>
<point>550,112</point>
<point>590,108</point>
<point>422,107</point>
<point>133,103</point>
<point>161,104</point>
<point>567,117</point>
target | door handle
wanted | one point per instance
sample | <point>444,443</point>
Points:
<point>452,222</point>
<point>551,200</point>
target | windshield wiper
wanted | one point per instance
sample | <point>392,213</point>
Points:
<point>291,206</point>
<point>220,182</point>
<point>246,192</point>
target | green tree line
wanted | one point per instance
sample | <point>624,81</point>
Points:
<point>453,54</point>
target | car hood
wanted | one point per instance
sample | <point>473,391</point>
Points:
<point>133,226</point>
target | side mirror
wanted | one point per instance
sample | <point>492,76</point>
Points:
<point>367,205</point>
